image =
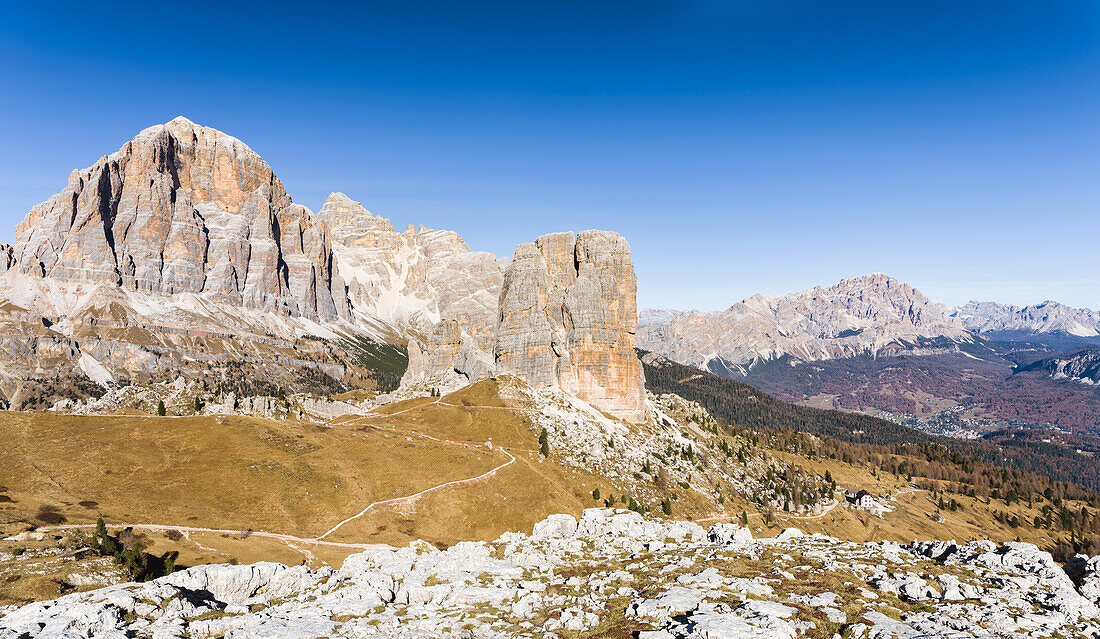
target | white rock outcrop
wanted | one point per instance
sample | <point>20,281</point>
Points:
<point>672,579</point>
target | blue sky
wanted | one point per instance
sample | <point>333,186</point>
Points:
<point>741,147</point>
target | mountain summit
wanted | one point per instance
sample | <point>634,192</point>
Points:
<point>184,208</point>
<point>858,316</point>
<point>182,253</point>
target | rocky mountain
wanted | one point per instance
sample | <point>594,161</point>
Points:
<point>1082,366</point>
<point>412,280</point>
<point>607,569</point>
<point>182,253</point>
<point>1046,317</point>
<point>183,208</point>
<point>876,345</point>
<point>568,318</point>
<point>651,316</point>
<point>870,315</point>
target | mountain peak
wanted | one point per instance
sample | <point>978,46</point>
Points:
<point>1048,316</point>
<point>183,208</point>
<point>350,221</point>
<point>857,315</point>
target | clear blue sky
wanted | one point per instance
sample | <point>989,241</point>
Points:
<point>742,147</point>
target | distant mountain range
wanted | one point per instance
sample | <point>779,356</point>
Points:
<point>1046,317</point>
<point>870,315</point>
<point>873,344</point>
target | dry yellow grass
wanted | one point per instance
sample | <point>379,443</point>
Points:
<point>287,477</point>
<point>214,472</point>
<point>913,514</point>
<point>301,479</point>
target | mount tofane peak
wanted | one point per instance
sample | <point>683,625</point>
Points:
<point>182,252</point>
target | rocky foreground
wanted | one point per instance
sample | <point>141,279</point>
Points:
<point>612,572</point>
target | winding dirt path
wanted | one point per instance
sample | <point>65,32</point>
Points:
<point>293,541</point>
<point>397,500</point>
<point>290,540</point>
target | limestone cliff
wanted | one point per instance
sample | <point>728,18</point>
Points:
<point>568,317</point>
<point>7,257</point>
<point>184,208</point>
<point>412,280</point>
<point>423,284</point>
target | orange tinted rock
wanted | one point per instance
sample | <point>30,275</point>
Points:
<point>568,319</point>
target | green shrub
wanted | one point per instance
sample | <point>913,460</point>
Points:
<point>544,443</point>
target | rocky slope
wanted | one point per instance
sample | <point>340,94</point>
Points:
<point>412,280</point>
<point>1082,366</point>
<point>1047,317</point>
<point>870,315</point>
<point>610,572</point>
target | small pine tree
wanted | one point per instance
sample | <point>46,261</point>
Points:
<point>168,560</point>
<point>744,519</point>
<point>544,443</point>
<point>596,494</point>
<point>666,507</point>
<point>161,410</point>
<point>103,543</point>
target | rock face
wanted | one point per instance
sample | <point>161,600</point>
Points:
<point>7,257</point>
<point>568,319</point>
<point>874,314</point>
<point>1082,366</point>
<point>185,226</point>
<point>412,279</point>
<point>674,578</point>
<point>423,284</point>
<point>447,359</point>
<point>183,208</point>
<point>1047,317</point>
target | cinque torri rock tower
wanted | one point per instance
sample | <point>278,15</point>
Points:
<point>568,319</point>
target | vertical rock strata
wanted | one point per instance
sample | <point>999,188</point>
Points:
<point>186,209</point>
<point>568,319</point>
<point>183,208</point>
